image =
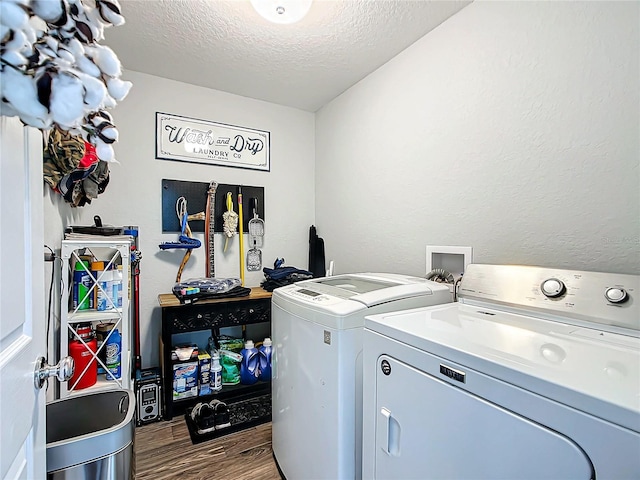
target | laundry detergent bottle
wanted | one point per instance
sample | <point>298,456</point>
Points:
<point>250,366</point>
<point>114,355</point>
<point>265,360</point>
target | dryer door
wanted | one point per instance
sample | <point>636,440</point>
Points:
<point>429,429</point>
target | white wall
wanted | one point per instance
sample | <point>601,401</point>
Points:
<point>512,128</point>
<point>133,196</point>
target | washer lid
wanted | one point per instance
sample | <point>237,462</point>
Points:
<point>372,289</point>
<point>594,371</point>
<point>341,301</point>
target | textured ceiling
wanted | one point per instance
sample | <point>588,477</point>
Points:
<point>226,45</point>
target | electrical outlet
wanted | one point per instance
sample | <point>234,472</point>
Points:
<point>49,256</point>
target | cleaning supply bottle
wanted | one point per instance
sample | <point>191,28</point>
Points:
<point>265,360</point>
<point>216,372</point>
<point>85,373</point>
<point>101,291</point>
<point>250,366</point>
<point>102,331</point>
<point>114,347</point>
<point>82,299</point>
<point>117,286</point>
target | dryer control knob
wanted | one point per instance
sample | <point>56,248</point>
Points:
<point>553,288</point>
<point>616,295</point>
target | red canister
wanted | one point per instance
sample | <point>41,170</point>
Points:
<point>83,356</point>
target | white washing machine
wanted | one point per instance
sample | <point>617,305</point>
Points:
<point>533,374</point>
<point>317,328</point>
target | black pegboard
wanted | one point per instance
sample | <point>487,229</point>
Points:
<point>196,195</point>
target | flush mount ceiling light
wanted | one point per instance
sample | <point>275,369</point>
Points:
<point>282,11</point>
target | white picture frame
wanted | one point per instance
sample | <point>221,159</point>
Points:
<point>201,141</point>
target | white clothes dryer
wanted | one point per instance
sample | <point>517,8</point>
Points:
<point>533,374</point>
<point>317,328</point>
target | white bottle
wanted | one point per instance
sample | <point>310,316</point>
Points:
<point>216,372</point>
<point>104,279</point>
<point>117,287</point>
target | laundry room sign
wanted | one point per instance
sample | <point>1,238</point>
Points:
<point>201,141</point>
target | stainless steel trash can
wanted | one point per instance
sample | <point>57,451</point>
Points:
<point>91,436</point>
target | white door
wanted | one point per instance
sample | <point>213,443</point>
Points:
<point>443,432</point>
<point>22,313</point>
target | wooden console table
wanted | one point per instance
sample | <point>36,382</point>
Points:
<point>211,315</point>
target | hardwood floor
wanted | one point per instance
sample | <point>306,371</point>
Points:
<point>163,450</point>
